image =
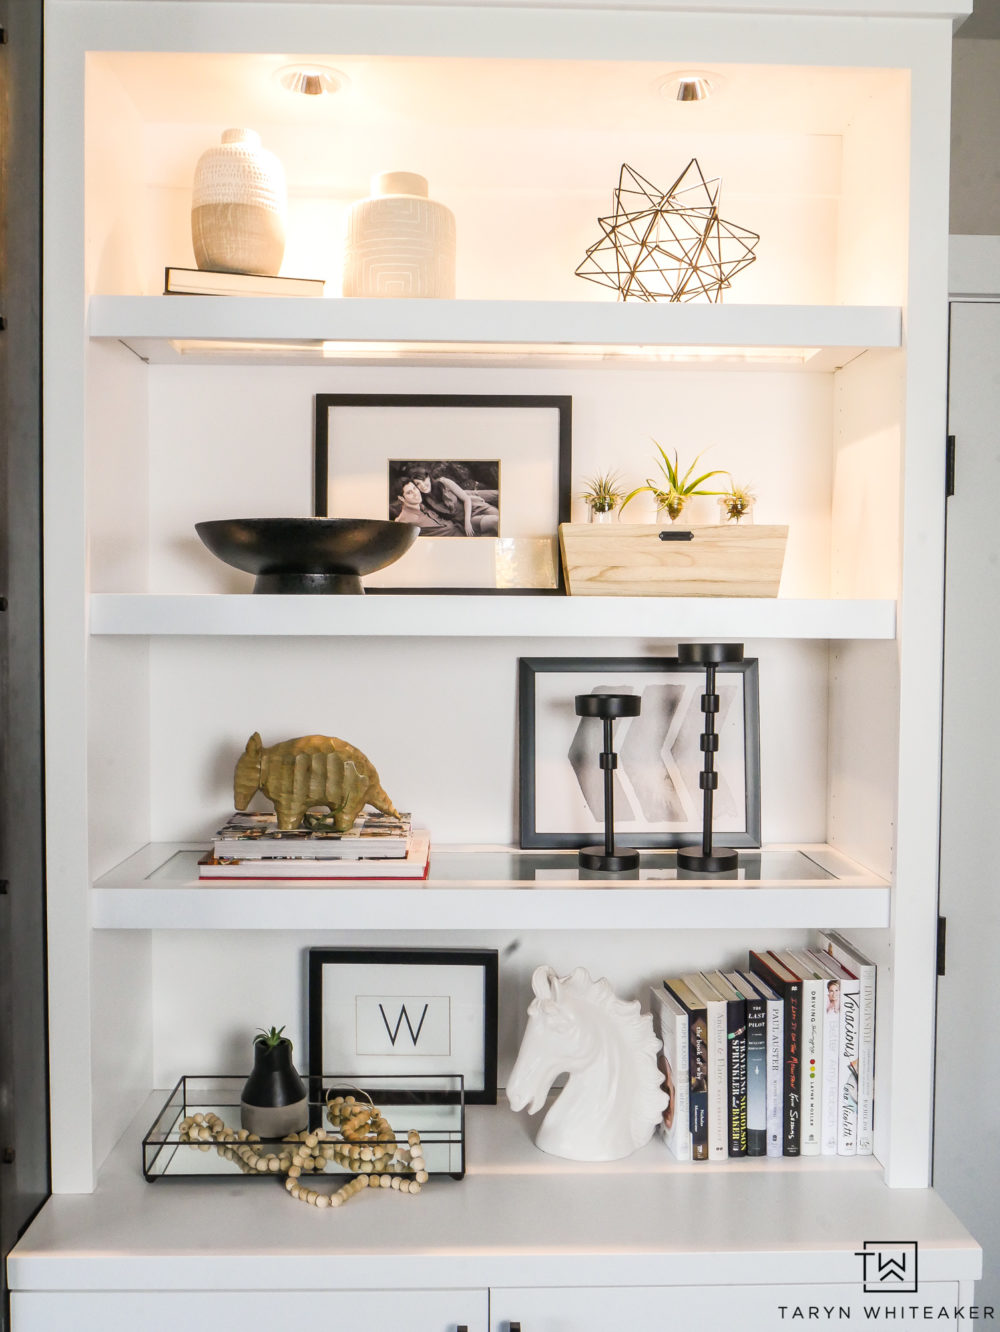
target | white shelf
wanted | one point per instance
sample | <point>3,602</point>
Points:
<point>283,331</point>
<point>518,1218</point>
<point>491,616</point>
<point>157,889</point>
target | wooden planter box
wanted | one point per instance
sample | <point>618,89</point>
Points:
<point>631,560</point>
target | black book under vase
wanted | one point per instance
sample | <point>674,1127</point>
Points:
<point>274,1101</point>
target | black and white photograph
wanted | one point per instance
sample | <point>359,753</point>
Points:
<point>491,472</point>
<point>407,1011</point>
<point>657,796</point>
<point>446,497</point>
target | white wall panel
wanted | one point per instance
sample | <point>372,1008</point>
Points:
<point>231,442</point>
<point>438,720</point>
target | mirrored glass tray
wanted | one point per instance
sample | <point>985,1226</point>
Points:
<point>507,865</point>
<point>434,1106</point>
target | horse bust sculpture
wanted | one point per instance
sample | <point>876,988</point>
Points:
<point>613,1098</point>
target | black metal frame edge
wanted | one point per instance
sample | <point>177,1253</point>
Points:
<point>487,959</point>
<point>529,667</point>
<point>563,403</point>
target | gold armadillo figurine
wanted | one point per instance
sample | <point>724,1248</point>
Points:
<point>312,770</point>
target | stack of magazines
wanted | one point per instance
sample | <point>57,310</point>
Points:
<point>378,846</point>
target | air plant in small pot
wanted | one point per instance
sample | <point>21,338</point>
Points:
<point>674,490</point>
<point>736,503</point>
<point>602,495</point>
<point>273,1102</point>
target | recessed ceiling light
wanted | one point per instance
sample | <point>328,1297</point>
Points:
<point>690,85</point>
<point>311,80</point>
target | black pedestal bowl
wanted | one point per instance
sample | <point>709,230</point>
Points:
<point>320,555</point>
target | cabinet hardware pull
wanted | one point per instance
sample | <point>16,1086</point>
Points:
<point>462,1327</point>
<point>678,534</point>
<point>514,1327</point>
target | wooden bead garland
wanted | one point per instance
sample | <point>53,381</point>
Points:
<point>366,1146</point>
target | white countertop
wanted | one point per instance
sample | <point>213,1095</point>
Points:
<point>518,1218</point>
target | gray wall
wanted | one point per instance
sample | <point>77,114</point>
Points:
<point>975,136</point>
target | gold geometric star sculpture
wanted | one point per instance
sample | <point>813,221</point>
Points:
<point>668,244</point>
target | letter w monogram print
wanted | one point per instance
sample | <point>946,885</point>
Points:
<point>404,1016</point>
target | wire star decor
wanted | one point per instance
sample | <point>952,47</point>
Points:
<point>668,244</point>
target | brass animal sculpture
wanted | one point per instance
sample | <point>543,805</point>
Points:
<point>312,770</point>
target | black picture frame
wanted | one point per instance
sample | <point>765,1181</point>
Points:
<point>555,815</point>
<point>351,479</point>
<point>472,1045</point>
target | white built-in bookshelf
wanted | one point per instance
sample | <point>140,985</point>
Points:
<point>821,380</point>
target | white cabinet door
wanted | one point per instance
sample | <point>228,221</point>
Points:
<point>968,1049</point>
<point>749,1308</point>
<point>236,1311</point>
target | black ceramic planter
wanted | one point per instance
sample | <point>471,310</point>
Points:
<point>273,1101</point>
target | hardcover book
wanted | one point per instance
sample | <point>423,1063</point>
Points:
<point>830,1017</point>
<point>256,836</point>
<point>697,1065</point>
<point>202,282</point>
<point>847,1054</point>
<point>716,1023</point>
<point>789,988</point>
<point>670,1022</point>
<point>756,1061</point>
<point>736,1052</point>
<point>414,865</point>
<point>834,943</point>
<point>811,1029</point>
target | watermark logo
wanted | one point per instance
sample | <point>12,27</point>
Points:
<point>889,1266</point>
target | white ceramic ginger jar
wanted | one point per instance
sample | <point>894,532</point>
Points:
<point>238,207</point>
<point>399,242</point>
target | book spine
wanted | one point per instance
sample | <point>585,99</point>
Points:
<point>736,1061</point>
<point>847,1079</point>
<point>865,972</point>
<point>791,1069</point>
<point>775,1077</point>
<point>756,1077</point>
<point>672,1029</point>
<point>811,1136</point>
<point>866,1062</point>
<point>718,1081</point>
<point>791,1077</point>
<point>698,1083</point>
<point>832,1018</point>
<point>681,1117</point>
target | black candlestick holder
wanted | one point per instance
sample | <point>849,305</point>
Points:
<point>706,859</point>
<point>608,707</point>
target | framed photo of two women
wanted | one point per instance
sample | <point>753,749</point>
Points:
<point>485,477</point>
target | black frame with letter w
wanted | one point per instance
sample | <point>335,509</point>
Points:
<point>370,1009</point>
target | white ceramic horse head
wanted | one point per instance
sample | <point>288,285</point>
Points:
<point>613,1098</point>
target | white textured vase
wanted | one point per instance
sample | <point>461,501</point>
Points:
<point>238,207</point>
<point>399,242</point>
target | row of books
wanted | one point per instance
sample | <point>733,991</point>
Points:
<point>777,1059</point>
<point>377,846</point>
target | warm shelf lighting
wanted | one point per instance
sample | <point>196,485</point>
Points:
<point>690,85</point>
<point>311,80</point>
<point>503,351</point>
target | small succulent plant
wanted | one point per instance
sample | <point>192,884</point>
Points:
<point>269,1039</point>
<point>737,501</point>
<point>603,491</point>
<point>672,491</point>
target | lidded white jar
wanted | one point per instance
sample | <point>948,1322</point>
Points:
<point>238,207</point>
<point>399,242</point>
